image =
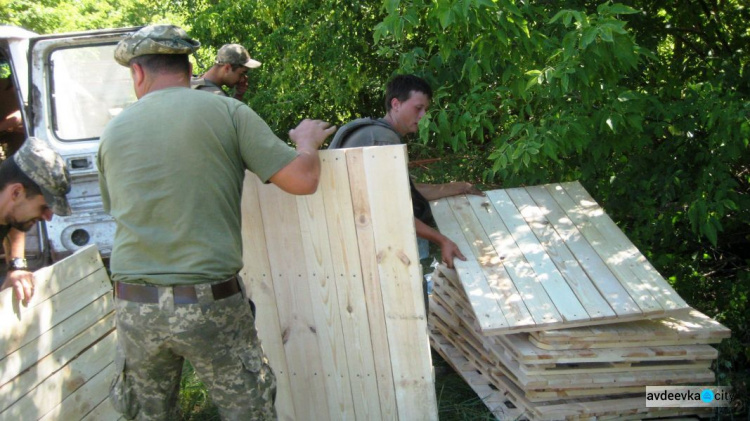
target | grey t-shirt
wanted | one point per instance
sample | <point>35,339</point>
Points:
<point>202,84</point>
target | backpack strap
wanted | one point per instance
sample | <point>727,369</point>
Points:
<point>420,205</point>
<point>343,133</point>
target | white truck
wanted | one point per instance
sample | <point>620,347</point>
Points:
<point>67,87</point>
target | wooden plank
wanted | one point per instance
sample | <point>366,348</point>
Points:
<point>86,398</point>
<point>47,395</point>
<point>37,349</point>
<point>681,329</point>
<point>49,364</point>
<point>258,282</point>
<point>488,301</point>
<point>603,279</point>
<point>664,294</point>
<point>320,278</point>
<point>546,277</point>
<point>584,217</point>
<point>50,280</point>
<point>297,321</point>
<point>495,401</point>
<point>347,275</point>
<point>358,184</point>
<point>103,412</point>
<point>53,311</point>
<point>401,282</point>
<point>564,261</point>
<point>478,220</point>
<point>53,286</point>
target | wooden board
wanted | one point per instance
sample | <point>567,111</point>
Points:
<point>689,328</point>
<point>548,257</point>
<point>337,283</point>
<point>581,380</point>
<point>519,348</point>
<point>57,354</point>
<point>547,376</point>
<point>507,401</point>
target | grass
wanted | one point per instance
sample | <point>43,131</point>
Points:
<point>456,400</point>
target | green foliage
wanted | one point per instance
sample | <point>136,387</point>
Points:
<point>318,59</point>
<point>647,103</point>
<point>657,131</point>
<point>54,16</point>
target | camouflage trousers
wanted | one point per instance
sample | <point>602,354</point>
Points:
<point>217,337</point>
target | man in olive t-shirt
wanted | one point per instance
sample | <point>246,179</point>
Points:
<point>171,169</point>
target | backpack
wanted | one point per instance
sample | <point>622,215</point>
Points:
<point>420,205</point>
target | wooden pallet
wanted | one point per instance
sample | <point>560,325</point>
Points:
<point>554,375</point>
<point>547,257</point>
<point>336,279</point>
<point>550,385</point>
<point>57,354</point>
<point>522,350</point>
<point>507,399</point>
<point>690,328</point>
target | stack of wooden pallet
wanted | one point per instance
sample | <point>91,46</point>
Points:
<point>546,366</point>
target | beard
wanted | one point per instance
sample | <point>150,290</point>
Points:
<point>23,226</point>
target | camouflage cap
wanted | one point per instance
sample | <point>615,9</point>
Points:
<point>155,39</point>
<point>47,169</point>
<point>236,55</point>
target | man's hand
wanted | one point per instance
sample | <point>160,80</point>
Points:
<point>449,250</point>
<point>22,282</point>
<point>301,176</point>
<point>439,191</point>
<point>240,88</point>
<point>310,134</point>
<point>468,188</point>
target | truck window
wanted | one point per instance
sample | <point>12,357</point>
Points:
<point>88,88</point>
<point>12,131</point>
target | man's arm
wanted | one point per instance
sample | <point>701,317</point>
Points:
<point>448,249</point>
<point>12,122</point>
<point>22,281</point>
<point>439,191</point>
<point>301,176</point>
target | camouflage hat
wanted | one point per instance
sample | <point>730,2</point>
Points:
<point>236,55</point>
<point>47,169</point>
<point>155,39</point>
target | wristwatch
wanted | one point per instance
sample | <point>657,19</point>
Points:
<point>18,263</point>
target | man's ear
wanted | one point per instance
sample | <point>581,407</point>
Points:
<point>136,70</point>
<point>17,191</point>
<point>395,104</point>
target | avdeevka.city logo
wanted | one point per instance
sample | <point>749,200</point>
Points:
<point>688,396</point>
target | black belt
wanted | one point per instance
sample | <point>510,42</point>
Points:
<point>183,294</point>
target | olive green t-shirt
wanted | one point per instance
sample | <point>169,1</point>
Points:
<point>171,168</point>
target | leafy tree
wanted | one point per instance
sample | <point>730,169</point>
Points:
<point>318,59</point>
<point>657,131</point>
<point>54,16</point>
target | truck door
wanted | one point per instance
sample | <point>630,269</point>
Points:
<point>76,87</point>
<point>14,93</point>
